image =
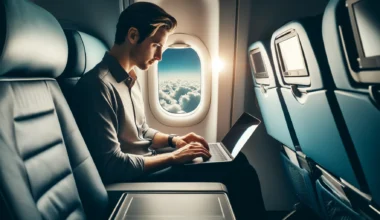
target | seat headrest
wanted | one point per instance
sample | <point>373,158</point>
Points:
<point>32,42</point>
<point>85,52</point>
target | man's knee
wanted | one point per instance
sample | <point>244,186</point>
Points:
<point>242,167</point>
<point>241,160</point>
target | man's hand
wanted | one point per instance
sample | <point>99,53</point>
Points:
<point>182,141</point>
<point>182,155</point>
<point>189,152</point>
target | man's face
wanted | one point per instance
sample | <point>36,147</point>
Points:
<point>150,50</point>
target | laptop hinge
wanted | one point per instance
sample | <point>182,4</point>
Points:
<point>226,150</point>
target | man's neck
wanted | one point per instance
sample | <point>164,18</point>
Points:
<point>122,56</point>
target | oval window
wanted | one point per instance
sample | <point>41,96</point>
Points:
<point>179,80</point>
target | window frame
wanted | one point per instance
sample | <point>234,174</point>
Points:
<point>196,116</point>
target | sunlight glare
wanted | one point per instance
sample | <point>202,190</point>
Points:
<point>217,65</point>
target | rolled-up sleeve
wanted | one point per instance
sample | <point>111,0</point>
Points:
<point>149,132</point>
<point>96,108</point>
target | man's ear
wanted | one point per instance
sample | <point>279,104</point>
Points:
<point>133,35</point>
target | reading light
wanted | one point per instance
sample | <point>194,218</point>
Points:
<point>217,65</point>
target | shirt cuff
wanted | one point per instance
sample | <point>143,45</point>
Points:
<point>149,134</point>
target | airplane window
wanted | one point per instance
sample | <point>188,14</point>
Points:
<point>179,80</point>
<point>180,84</point>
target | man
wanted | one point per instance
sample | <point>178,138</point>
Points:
<point>110,114</point>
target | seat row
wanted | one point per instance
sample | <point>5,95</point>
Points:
<point>317,84</point>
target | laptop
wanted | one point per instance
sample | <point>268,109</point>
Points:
<point>233,142</point>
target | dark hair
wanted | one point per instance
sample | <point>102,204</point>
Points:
<point>146,17</point>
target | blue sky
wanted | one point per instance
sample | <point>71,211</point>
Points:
<point>179,64</point>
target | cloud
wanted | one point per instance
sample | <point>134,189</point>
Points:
<point>175,108</point>
<point>167,98</point>
<point>172,108</point>
<point>193,87</point>
<point>190,101</point>
<point>180,91</point>
<point>179,96</point>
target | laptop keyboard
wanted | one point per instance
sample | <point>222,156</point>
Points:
<point>217,153</point>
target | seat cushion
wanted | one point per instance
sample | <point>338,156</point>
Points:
<point>35,164</point>
<point>44,160</point>
<point>46,171</point>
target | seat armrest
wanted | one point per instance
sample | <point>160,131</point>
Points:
<point>117,189</point>
<point>166,187</point>
<point>169,205</point>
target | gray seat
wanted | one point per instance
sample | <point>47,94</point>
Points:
<point>46,171</point>
<point>85,51</point>
<point>353,52</point>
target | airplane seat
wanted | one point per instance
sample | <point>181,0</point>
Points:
<point>46,171</point>
<point>277,122</point>
<point>85,52</point>
<point>351,34</point>
<point>306,85</point>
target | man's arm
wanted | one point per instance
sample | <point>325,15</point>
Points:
<point>95,110</point>
<point>180,156</point>
<point>161,140</point>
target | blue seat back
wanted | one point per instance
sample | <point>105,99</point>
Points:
<point>306,88</point>
<point>277,121</point>
<point>356,90</point>
<point>273,110</point>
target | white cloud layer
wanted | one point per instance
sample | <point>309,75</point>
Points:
<point>179,96</point>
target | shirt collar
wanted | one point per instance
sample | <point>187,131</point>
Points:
<point>117,70</point>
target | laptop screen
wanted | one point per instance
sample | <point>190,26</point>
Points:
<point>240,133</point>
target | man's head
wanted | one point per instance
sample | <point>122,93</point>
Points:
<point>143,29</point>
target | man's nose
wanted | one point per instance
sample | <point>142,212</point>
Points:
<point>158,56</point>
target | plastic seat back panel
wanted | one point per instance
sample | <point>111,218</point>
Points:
<point>363,121</point>
<point>317,133</point>
<point>273,115</point>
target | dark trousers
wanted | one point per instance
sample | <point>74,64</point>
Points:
<point>239,177</point>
